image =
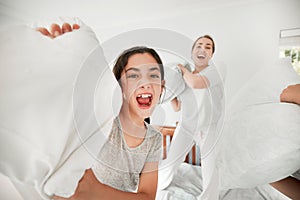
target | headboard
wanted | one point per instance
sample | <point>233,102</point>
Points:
<point>193,157</point>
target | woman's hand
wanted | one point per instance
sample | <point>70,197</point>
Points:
<point>56,30</point>
<point>182,69</point>
<point>291,94</point>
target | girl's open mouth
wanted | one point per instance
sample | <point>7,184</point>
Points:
<point>144,100</point>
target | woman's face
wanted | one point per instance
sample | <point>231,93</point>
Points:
<point>202,52</point>
<point>141,84</point>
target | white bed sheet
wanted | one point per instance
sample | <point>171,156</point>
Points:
<point>187,185</point>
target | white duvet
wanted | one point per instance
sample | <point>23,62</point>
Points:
<point>56,108</point>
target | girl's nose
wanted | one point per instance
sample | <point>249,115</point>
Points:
<point>145,85</point>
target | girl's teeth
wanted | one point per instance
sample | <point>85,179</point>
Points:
<point>145,95</point>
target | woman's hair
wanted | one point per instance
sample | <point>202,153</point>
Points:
<point>123,60</point>
<point>208,37</point>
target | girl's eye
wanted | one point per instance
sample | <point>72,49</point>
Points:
<point>132,76</point>
<point>155,76</point>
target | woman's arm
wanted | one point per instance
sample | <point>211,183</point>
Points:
<point>90,188</point>
<point>193,80</point>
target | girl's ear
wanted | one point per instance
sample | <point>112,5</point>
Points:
<point>162,91</point>
<point>163,82</point>
<point>162,86</point>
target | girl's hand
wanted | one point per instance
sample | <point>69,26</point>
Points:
<point>56,30</point>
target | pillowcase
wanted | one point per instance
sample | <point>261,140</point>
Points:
<point>174,85</point>
<point>266,85</point>
<point>58,100</point>
<point>260,142</point>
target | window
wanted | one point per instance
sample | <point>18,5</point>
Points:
<point>294,54</point>
<point>289,45</point>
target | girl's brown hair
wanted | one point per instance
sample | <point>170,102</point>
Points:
<point>123,60</point>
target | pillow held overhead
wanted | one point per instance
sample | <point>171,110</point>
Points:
<point>54,117</point>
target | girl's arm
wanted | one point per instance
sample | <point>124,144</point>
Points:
<point>90,188</point>
<point>193,80</point>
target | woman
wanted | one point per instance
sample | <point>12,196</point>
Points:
<point>201,105</point>
<point>128,162</point>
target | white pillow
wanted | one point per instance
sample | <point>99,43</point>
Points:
<point>174,85</point>
<point>266,85</point>
<point>261,140</point>
<point>56,107</point>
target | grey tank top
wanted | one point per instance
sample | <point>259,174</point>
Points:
<point>120,166</point>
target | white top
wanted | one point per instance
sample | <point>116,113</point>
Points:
<point>202,108</point>
<point>201,113</point>
<point>214,95</point>
<point>211,106</point>
<point>120,166</point>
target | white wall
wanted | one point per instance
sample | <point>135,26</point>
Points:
<point>246,34</point>
<point>246,31</point>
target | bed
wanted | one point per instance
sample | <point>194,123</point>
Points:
<point>187,182</point>
<point>193,157</point>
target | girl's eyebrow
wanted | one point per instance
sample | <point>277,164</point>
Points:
<point>132,68</point>
<point>154,69</point>
<point>137,69</point>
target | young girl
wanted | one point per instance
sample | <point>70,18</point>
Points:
<point>127,164</point>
